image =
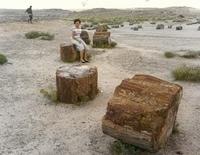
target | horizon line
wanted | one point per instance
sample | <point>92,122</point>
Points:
<point>82,9</point>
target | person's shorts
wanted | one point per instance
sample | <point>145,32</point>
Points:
<point>80,46</point>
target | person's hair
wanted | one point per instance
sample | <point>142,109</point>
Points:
<point>77,20</point>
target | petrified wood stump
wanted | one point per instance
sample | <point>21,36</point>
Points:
<point>76,83</point>
<point>68,53</point>
<point>143,111</point>
<point>101,39</point>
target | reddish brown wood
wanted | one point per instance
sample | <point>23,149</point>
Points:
<point>76,83</point>
<point>68,53</point>
<point>143,111</point>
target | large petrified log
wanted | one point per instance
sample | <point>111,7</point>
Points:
<point>143,111</point>
<point>76,83</point>
<point>101,39</point>
<point>85,37</point>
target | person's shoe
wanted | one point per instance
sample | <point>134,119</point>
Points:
<point>82,61</point>
<point>86,60</point>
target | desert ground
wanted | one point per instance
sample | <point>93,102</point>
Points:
<point>32,124</point>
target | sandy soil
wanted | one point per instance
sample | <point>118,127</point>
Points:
<point>31,124</point>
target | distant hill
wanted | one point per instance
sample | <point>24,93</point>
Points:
<point>137,15</point>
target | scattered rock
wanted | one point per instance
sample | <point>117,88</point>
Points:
<point>76,83</point>
<point>135,28</point>
<point>169,26</point>
<point>160,26</point>
<point>198,28</point>
<point>143,111</point>
<point>179,28</point>
<point>115,26</point>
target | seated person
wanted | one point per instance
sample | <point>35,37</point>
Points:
<point>78,42</point>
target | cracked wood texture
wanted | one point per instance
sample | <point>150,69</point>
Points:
<point>143,111</point>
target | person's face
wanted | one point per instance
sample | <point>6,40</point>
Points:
<point>77,24</point>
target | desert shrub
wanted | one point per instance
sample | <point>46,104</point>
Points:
<point>190,55</point>
<point>32,35</point>
<point>50,93</point>
<point>3,59</point>
<point>113,44</point>
<point>120,148</point>
<point>169,55</point>
<point>175,128</point>
<point>185,73</point>
<point>41,35</point>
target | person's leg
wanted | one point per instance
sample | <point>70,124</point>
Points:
<point>31,18</point>
<point>85,55</point>
<point>82,56</point>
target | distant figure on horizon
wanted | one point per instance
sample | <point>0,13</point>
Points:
<point>78,42</point>
<point>30,14</point>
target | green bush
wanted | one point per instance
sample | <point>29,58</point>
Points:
<point>50,94</point>
<point>41,35</point>
<point>185,73</point>
<point>169,55</point>
<point>113,44</point>
<point>190,55</point>
<point>120,148</point>
<point>3,59</point>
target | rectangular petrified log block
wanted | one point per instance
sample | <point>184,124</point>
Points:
<point>101,39</point>
<point>68,53</point>
<point>143,111</point>
<point>76,83</point>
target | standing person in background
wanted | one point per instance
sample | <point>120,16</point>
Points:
<point>30,14</point>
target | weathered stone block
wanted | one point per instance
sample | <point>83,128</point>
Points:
<point>143,111</point>
<point>101,39</point>
<point>68,53</point>
<point>76,83</point>
<point>85,37</point>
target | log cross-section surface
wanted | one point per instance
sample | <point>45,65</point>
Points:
<point>76,83</point>
<point>143,111</point>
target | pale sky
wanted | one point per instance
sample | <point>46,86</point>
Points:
<point>86,4</point>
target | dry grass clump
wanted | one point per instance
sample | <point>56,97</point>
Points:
<point>3,59</point>
<point>40,35</point>
<point>120,148</point>
<point>186,73</point>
